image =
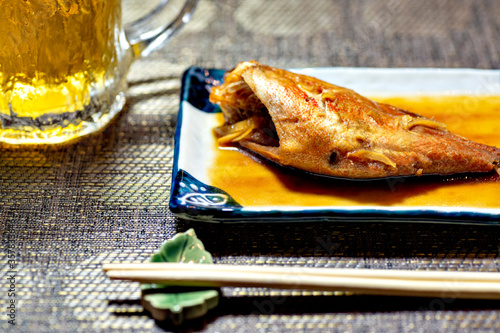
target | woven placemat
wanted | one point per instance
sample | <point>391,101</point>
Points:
<point>66,210</point>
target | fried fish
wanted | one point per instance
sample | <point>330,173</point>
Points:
<point>302,122</point>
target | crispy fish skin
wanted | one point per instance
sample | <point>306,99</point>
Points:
<point>330,130</point>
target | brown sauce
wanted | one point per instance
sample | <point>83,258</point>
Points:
<point>252,181</point>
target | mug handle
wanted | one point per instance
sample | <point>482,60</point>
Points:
<point>145,37</point>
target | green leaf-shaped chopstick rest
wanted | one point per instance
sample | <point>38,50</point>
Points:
<point>176,303</point>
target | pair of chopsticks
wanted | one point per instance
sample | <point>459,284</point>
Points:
<point>443,284</point>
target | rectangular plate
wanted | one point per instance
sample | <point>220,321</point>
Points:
<point>192,196</point>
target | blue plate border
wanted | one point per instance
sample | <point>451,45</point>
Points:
<point>194,200</point>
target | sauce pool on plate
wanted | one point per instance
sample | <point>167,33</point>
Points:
<point>252,181</point>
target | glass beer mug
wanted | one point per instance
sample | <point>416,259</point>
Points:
<point>63,64</point>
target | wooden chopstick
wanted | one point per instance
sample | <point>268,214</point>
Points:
<point>443,284</point>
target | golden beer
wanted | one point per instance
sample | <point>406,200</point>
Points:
<point>63,66</point>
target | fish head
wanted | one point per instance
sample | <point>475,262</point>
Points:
<point>302,128</point>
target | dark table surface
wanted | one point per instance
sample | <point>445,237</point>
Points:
<point>66,210</point>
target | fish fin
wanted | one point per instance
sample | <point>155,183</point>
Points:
<point>269,152</point>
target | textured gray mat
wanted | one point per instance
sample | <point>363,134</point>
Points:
<point>65,211</point>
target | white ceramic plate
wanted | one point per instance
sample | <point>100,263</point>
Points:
<point>193,197</point>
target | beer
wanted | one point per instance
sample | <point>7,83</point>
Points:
<point>62,68</point>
